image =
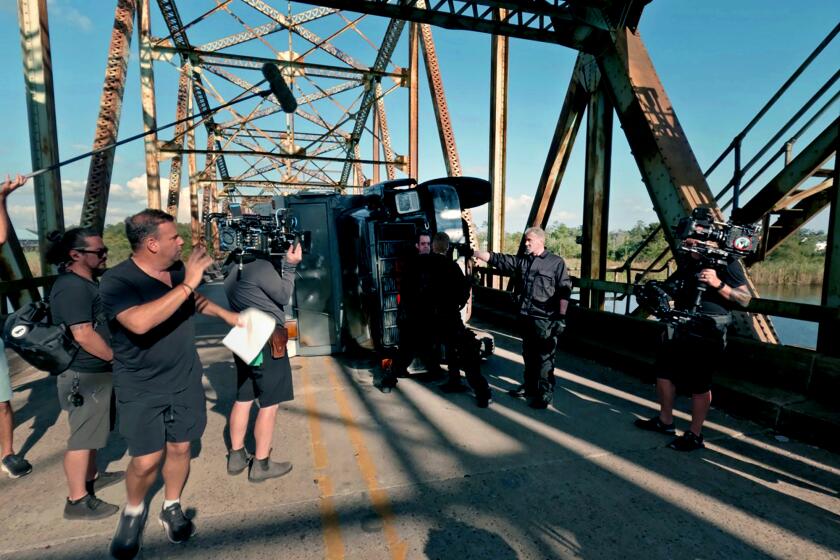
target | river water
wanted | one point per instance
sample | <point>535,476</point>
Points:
<point>791,331</point>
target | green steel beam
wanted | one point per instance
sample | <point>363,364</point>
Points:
<point>669,169</point>
<point>596,197</point>
<point>40,108</point>
<point>794,173</point>
<point>830,330</point>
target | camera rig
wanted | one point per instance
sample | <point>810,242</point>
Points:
<point>257,233</point>
<point>707,243</point>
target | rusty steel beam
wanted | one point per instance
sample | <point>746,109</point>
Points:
<point>195,220</point>
<point>413,99</point>
<point>794,173</point>
<point>596,198</point>
<point>670,171</point>
<point>206,184</point>
<point>108,123</point>
<point>182,101</point>
<point>40,108</point>
<point>374,176</point>
<point>384,131</point>
<point>790,220</point>
<point>167,149</point>
<point>560,148</point>
<point>14,266</point>
<point>830,330</point>
<point>498,142</point>
<point>383,56</point>
<point>572,24</point>
<point>147,99</point>
<point>444,123</point>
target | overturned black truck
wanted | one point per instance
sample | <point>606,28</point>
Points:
<point>347,290</point>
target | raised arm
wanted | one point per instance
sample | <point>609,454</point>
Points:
<point>140,319</point>
<point>8,186</point>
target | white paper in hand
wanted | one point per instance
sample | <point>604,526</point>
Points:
<point>246,342</point>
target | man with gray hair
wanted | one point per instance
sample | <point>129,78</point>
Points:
<point>542,287</point>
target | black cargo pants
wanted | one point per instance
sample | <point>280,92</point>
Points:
<point>463,351</point>
<point>539,347</point>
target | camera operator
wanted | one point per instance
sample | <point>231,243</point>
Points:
<point>150,299</point>
<point>265,282</point>
<point>10,462</point>
<point>542,284</point>
<point>85,388</point>
<point>694,347</point>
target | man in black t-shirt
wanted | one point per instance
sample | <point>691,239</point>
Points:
<point>85,388</point>
<point>150,300</point>
<point>690,350</point>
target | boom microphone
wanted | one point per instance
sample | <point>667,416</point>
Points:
<point>279,87</point>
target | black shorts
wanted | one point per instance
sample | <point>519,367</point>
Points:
<point>149,420</point>
<point>269,383</point>
<point>688,360</point>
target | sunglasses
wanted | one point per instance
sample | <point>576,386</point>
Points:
<point>98,252</point>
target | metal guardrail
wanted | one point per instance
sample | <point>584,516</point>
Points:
<point>776,308</point>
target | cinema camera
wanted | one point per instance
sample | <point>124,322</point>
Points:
<point>256,233</point>
<point>715,245</point>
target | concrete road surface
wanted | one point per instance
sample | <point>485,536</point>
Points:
<point>420,474</point>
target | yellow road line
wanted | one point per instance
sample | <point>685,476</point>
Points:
<point>378,497</point>
<point>329,516</point>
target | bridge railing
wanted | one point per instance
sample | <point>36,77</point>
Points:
<point>737,183</point>
<point>623,290</point>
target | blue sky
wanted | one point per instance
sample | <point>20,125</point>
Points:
<point>719,61</point>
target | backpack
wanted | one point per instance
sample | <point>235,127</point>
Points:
<point>29,332</point>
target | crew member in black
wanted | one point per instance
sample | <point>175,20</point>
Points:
<point>432,292</point>
<point>150,300</point>
<point>687,354</point>
<point>85,388</point>
<point>543,287</point>
<point>413,335</point>
<point>266,283</point>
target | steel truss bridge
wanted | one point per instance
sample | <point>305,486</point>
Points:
<point>345,62</point>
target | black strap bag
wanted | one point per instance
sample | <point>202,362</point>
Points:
<point>29,332</point>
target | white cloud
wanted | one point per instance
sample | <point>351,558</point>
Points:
<point>123,201</point>
<point>58,10</point>
<point>517,209</point>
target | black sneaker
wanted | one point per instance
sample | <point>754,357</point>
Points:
<point>15,466</point>
<point>178,527</point>
<point>655,425</point>
<point>264,469</point>
<point>128,538</point>
<point>520,392</point>
<point>89,507</point>
<point>103,480</point>
<point>689,441</point>
<point>237,461</point>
